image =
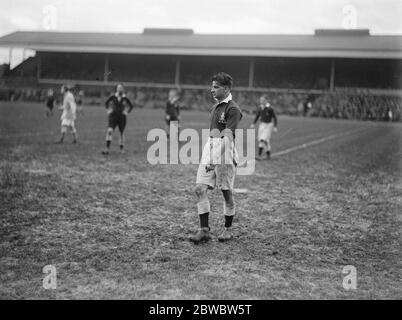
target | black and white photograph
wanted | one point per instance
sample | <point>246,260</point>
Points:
<point>221,152</point>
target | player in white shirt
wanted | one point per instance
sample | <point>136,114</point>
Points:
<point>69,114</point>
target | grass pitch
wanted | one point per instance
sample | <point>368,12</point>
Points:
<point>116,227</point>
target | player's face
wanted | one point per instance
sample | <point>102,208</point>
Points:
<point>120,89</point>
<point>218,91</point>
<point>172,95</point>
<point>263,102</point>
<point>63,89</point>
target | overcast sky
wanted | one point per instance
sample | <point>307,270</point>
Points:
<point>218,16</point>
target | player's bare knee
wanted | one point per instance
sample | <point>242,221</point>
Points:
<point>109,134</point>
<point>229,209</point>
<point>201,191</point>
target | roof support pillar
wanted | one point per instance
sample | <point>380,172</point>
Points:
<point>38,65</point>
<point>106,69</point>
<point>251,72</point>
<point>10,55</point>
<point>177,72</point>
<point>332,76</point>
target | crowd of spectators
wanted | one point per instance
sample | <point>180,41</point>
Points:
<point>342,104</point>
<point>357,106</point>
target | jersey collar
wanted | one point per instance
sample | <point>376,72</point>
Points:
<point>266,105</point>
<point>122,96</point>
<point>228,98</point>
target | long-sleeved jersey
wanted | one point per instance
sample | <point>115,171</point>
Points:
<point>172,110</point>
<point>118,104</point>
<point>225,117</point>
<point>50,101</point>
<point>69,107</point>
<point>267,114</point>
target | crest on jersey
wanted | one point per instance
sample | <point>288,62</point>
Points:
<point>222,118</point>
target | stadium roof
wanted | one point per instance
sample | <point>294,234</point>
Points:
<point>330,43</point>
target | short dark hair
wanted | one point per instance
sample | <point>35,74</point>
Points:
<point>223,79</point>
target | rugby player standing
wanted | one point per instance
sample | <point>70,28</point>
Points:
<point>172,110</point>
<point>69,114</point>
<point>118,106</point>
<point>219,159</point>
<point>268,123</point>
<point>49,103</point>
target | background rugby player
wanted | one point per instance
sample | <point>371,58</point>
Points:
<point>268,123</point>
<point>118,107</point>
<point>50,100</point>
<point>172,112</point>
<point>69,114</point>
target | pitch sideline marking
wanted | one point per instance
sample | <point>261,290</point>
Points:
<point>314,142</point>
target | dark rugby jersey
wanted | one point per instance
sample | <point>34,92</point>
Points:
<point>267,115</point>
<point>118,104</point>
<point>50,101</point>
<point>225,115</point>
<point>172,110</point>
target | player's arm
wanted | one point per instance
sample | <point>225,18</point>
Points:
<point>130,105</point>
<point>108,108</point>
<point>64,105</point>
<point>275,119</point>
<point>233,118</point>
<point>167,116</point>
<point>257,116</point>
<point>72,104</point>
<point>178,111</point>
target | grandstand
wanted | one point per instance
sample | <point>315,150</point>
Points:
<point>351,73</point>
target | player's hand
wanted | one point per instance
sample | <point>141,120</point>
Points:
<point>252,126</point>
<point>210,167</point>
<point>125,112</point>
<point>167,117</point>
<point>275,129</point>
<point>109,111</point>
<point>179,118</point>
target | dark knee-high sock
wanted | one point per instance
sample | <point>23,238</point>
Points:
<point>228,221</point>
<point>204,220</point>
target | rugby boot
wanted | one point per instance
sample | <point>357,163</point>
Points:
<point>226,235</point>
<point>201,236</point>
